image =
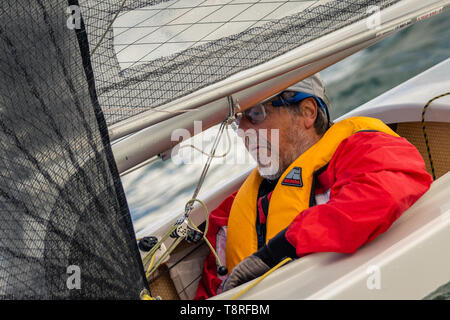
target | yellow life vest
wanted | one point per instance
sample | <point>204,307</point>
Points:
<point>286,201</point>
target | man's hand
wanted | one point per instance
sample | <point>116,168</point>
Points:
<point>248,269</point>
<point>261,261</point>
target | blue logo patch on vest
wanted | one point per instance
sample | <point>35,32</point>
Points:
<point>294,178</point>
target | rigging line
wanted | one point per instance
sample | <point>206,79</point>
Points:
<point>167,270</point>
<point>153,267</point>
<point>108,28</point>
<point>161,26</point>
<point>208,163</point>
<point>189,206</point>
<point>225,123</point>
<point>154,159</point>
<point>209,154</point>
<point>147,54</point>
<point>203,175</point>
<point>261,278</point>
<point>163,257</point>
<point>205,232</point>
<point>146,259</point>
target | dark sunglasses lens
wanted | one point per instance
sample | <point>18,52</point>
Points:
<point>255,114</point>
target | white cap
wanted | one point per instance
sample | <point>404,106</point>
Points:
<point>312,85</point>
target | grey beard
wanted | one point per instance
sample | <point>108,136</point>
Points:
<point>267,172</point>
<point>271,171</point>
<point>269,176</point>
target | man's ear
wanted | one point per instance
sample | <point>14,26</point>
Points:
<point>309,112</point>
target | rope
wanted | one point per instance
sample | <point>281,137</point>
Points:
<point>282,263</point>
<point>231,117</point>
<point>145,295</point>
<point>154,159</point>
<point>150,257</point>
<point>209,154</point>
<point>206,228</point>
<point>153,267</point>
<point>425,133</point>
<point>167,270</point>
<point>150,266</point>
<point>188,208</point>
<point>207,165</point>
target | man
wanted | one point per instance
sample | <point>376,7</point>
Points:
<point>331,188</point>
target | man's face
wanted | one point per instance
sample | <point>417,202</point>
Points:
<point>272,142</point>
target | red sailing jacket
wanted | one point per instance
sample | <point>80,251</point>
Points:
<point>372,179</point>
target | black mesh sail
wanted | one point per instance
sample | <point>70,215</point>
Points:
<point>65,228</point>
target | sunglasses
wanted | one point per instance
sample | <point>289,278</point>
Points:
<point>254,115</point>
<point>257,114</point>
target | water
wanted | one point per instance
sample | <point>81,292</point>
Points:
<point>155,191</point>
<point>372,71</point>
